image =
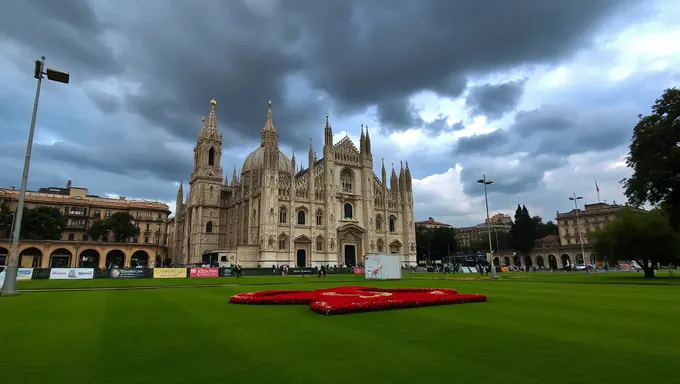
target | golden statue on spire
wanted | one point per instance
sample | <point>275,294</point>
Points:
<point>213,102</point>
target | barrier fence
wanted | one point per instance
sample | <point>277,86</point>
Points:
<point>162,273</point>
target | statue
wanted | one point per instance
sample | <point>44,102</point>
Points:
<point>372,245</point>
<point>331,243</point>
<point>413,247</point>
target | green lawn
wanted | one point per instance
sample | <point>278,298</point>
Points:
<point>535,328</point>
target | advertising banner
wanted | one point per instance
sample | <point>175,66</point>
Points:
<point>127,273</point>
<point>204,272</point>
<point>358,271</point>
<point>24,273</point>
<point>226,272</point>
<point>169,273</point>
<point>71,273</point>
<point>300,271</point>
<point>383,267</point>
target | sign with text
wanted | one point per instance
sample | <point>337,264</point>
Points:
<point>226,272</point>
<point>71,273</point>
<point>24,273</point>
<point>358,271</point>
<point>383,267</point>
<point>204,272</point>
<point>169,273</point>
<point>127,273</point>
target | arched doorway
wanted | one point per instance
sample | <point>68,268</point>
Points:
<point>60,258</point>
<point>30,258</point>
<point>140,259</point>
<point>579,259</point>
<point>517,261</point>
<point>552,261</point>
<point>301,258</point>
<point>496,262</point>
<point>540,262</point>
<point>115,259</point>
<point>528,262</point>
<point>566,260</point>
<point>4,255</point>
<point>506,261</point>
<point>89,258</point>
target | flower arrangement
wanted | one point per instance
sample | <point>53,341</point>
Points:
<point>345,300</point>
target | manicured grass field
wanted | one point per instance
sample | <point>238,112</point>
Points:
<point>535,328</point>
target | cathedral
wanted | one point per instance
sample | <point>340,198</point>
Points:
<point>334,212</point>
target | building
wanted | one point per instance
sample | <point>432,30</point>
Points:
<point>466,236</point>
<point>430,223</point>
<point>75,248</point>
<point>336,211</point>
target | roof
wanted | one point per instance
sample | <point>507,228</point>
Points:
<point>431,221</point>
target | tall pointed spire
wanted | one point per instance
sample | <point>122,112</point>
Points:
<point>233,177</point>
<point>212,119</point>
<point>180,198</point>
<point>203,123</point>
<point>368,141</point>
<point>409,179</point>
<point>269,134</point>
<point>384,173</point>
<point>362,141</point>
<point>310,155</point>
<point>328,134</point>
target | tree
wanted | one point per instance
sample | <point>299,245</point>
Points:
<point>435,242</point>
<point>544,229</point>
<point>121,225</point>
<point>523,231</point>
<point>6,218</point>
<point>655,158</point>
<point>42,223</point>
<point>98,230</point>
<point>646,237</point>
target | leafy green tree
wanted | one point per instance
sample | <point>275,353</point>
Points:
<point>544,229</point>
<point>42,223</point>
<point>98,230</point>
<point>6,218</point>
<point>435,242</point>
<point>646,237</point>
<point>523,231</point>
<point>122,226</point>
<point>655,158</point>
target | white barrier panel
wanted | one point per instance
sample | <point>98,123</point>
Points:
<point>71,273</point>
<point>383,267</point>
<point>24,273</point>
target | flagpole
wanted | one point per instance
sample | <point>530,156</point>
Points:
<point>597,188</point>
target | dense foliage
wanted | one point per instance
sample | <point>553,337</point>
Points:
<point>523,231</point>
<point>435,243</point>
<point>120,224</point>
<point>655,158</point>
<point>39,223</point>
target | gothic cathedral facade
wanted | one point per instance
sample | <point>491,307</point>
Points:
<point>334,212</point>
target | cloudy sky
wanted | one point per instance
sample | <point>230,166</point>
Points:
<point>541,96</point>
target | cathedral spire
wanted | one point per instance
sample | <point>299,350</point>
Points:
<point>202,123</point>
<point>310,155</point>
<point>362,141</point>
<point>180,198</point>
<point>233,177</point>
<point>269,135</point>
<point>212,119</point>
<point>328,134</point>
<point>384,173</point>
<point>409,180</point>
<point>368,141</point>
<point>293,159</point>
<point>394,181</point>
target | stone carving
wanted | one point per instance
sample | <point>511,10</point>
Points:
<point>413,247</point>
<point>331,243</point>
<point>372,245</point>
<point>271,242</point>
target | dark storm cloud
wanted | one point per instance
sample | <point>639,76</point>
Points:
<point>495,100</point>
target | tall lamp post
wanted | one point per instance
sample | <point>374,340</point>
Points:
<point>486,182</point>
<point>10,286</point>
<point>575,199</point>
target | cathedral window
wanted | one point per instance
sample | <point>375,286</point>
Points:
<point>346,180</point>
<point>393,224</point>
<point>319,243</point>
<point>208,227</point>
<point>380,245</point>
<point>282,243</point>
<point>211,157</point>
<point>283,213</point>
<point>378,223</point>
<point>347,210</point>
<point>301,217</point>
<point>319,218</point>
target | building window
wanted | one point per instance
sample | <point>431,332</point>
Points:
<point>319,243</point>
<point>378,223</point>
<point>85,238</point>
<point>347,211</point>
<point>393,224</point>
<point>158,227</point>
<point>346,180</point>
<point>301,217</point>
<point>107,213</point>
<point>97,213</point>
<point>211,157</point>
<point>160,216</point>
<point>137,224</point>
<point>282,243</point>
<point>138,215</point>
<point>319,218</point>
<point>208,227</point>
<point>148,227</point>
<point>71,237</point>
<point>148,215</point>
<point>380,245</point>
<point>283,219</point>
<point>146,239</point>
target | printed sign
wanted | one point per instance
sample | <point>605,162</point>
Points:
<point>358,271</point>
<point>226,272</point>
<point>127,273</point>
<point>383,267</point>
<point>169,273</point>
<point>24,273</point>
<point>300,271</point>
<point>204,272</point>
<point>71,273</point>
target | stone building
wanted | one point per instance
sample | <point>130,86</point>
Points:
<point>334,212</point>
<point>430,223</point>
<point>75,248</point>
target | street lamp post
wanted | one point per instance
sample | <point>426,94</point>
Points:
<point>10,286</point>
<point>575,199</point>
<point>486,182</point>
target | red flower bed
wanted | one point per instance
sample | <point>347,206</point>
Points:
<point>343,300</point>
